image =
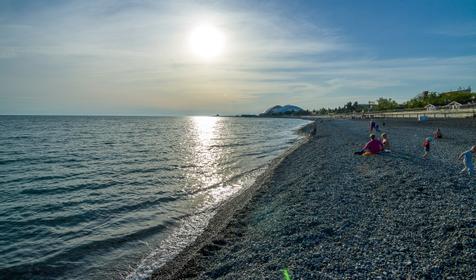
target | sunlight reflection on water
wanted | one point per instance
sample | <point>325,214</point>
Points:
<point>209,134</point>
<point>119,196</point>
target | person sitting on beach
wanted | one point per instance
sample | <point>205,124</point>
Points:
<point>385,143</point>
<point>374,146</point>
<point>437,134</point>
<point>468,160</point>
<point>426,147</point>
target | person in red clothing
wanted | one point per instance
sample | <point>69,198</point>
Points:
<point>426,147</point>
<point>374,146</point>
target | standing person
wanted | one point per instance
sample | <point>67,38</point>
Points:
<point>373,147</point>
<point>314,129</point>
<point>371,126</point>
<point>468,160</point>
<point>426,147</point>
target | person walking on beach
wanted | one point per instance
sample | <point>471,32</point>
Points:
<point>373,147</point>
<point>371,126</point>
<point>426,147</point>
<point>468,160</point>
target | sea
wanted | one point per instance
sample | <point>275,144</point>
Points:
<point>102,197</point>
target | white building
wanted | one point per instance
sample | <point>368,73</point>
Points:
<point>453,105</point>
<point>430,107</point>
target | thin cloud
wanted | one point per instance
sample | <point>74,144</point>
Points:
<point>135,54</point>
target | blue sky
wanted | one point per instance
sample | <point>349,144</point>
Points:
<point>133,58</point>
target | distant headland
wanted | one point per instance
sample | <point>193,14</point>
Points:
<point>282,111</point>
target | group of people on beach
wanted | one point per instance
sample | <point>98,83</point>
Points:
<point>376,146</point>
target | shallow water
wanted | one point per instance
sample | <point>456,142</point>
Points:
<point>116,197</point>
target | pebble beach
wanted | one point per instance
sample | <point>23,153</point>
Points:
<point>321,212</point>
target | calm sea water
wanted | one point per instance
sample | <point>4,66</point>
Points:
<point>116,197</point>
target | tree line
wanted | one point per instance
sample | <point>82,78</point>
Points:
<point>462,96</point>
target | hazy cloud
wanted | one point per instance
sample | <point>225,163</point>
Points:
<point>82,56</point>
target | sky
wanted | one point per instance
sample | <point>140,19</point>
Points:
<point>136,57</point>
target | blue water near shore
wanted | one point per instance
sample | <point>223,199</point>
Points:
<point>116,197</point>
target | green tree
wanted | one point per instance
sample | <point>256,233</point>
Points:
<point>348,107</point>
<point>386,104</point>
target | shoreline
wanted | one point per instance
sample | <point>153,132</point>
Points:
<point>324,213</point>
<point>224,213</point>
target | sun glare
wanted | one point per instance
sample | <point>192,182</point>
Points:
<point>207,41</point>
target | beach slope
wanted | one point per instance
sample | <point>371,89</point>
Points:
<point>323,212</point>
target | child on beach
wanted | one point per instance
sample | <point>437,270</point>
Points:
<point>385,143</point>
<point>374,146</point>
<point>377,128</point>
<point>468,160</point>
<point>426,147</point>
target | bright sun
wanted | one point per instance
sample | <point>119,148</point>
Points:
<point>207,41</point>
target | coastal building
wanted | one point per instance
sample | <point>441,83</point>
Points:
<point>453,105</point>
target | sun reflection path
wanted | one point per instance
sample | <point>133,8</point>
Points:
<point>210,180</point>
<point>206,129</point>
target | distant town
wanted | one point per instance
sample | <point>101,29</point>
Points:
<point>426,100</point>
